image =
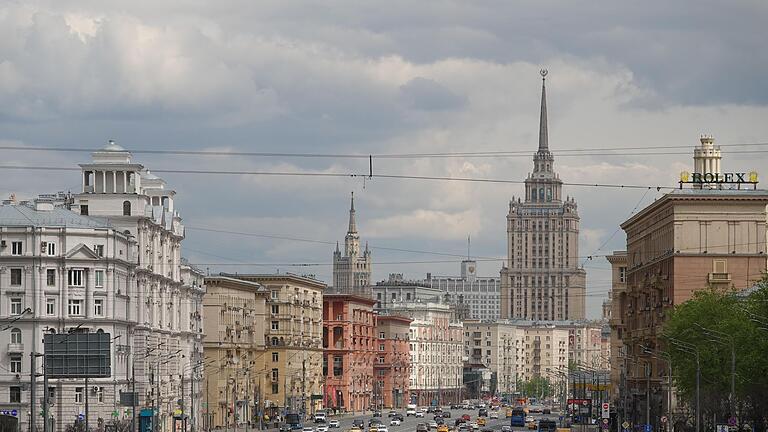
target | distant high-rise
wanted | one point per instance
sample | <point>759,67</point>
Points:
<point>542,279</point>
<point>352,271</point>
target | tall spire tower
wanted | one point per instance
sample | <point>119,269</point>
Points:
<point>541,279</point>
<point>352,271</point>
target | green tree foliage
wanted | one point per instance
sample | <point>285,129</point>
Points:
<point>537,387</point>
<point>712,322</point>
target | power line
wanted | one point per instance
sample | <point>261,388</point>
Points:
<point>347,175</point>
<point>595,151</point>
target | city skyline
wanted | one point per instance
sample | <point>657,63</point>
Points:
<point>376,83</point>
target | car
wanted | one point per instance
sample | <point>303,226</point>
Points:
<point>285,428</point>
<point>419,414</point>
<point>433,424</point>
<point>494,415</point>
<point>358,423</point>
<point>506,428</point>
<point>373,428</point>
<point>333,423</point>
<point>546,411</point>
<point>481,421</point>
<point>442,428</point>
<point>321,429</point>
<point>486,430</point>
<point>410,412</point>
<point>308,429</point>
<point>482,412</point>
<point>355,429</point>
<point>532,425</point>
<point>446,414</point>
<point>422,427</point>
<point>395,422</point>
<point>547,425</point>
<point>374,421</point>
<point>465,417</point>
<point>382,428</point>
<point>399,417</point>
<point>391,413</point>
<point>319,417</point>
<point>529,419</point>
<point>430,409</point>
<point>437,416</point>
<point>474,426</point>
<point>377,413</point>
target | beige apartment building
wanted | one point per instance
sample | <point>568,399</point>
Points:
<point>293,334</point>
<point>686,241</point>
<point>234,347</point>
<point>516,351</point>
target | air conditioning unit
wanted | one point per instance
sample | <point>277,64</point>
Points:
<point>3,244</point>
<point>18,377</point>
<point>94,389</point>
<point>43,245</point>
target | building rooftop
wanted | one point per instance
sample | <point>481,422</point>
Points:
<point>23,215</point>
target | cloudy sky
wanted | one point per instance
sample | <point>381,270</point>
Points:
<point>395,77</point>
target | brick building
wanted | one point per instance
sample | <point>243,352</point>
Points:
<point>392,369</point>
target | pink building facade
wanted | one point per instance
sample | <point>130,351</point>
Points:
<point>392,369</point>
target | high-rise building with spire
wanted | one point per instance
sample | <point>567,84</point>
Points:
<point>542,279</point>
<point>352,271</point>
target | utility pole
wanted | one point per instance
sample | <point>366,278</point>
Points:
<point>32,380</point>
<point>46,402</point>
<point>134,425</point>
<point>86,404</point>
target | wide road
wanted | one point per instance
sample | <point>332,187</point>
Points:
<point>409,424</point>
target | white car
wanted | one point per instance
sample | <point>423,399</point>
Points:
<point>506,428</point>
<point>432,424</point>
<point>494,415</point>
<point>474,426</point>
<point>382,428</point>
<point>419,414</point>
<point>322,429</point>
<point>410,412</point>
<point>394,422</point>
<point>333,423</point>
<point>529,419</point>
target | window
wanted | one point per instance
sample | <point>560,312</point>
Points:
<point>50,277</point>
<point>51,393</point>
<point>622,274</point>
<point>79,394</point>
<point>275,309</point>
<point>100,394</point>
<point>381,335</point>
<point>126,208</point>
<point>273,295</point>
<point>15,336</point>
<point>15,306</point>
<point>99,249</point>
<point>394,296</point>
<point>15,395</point>
<point>381,347</point>
<point>84,209</point>
<point>75,307</point>
<point>98,307</point>
<point>275,375</point>
<point>50,248</point>
<point>275,325</point>
<point>76,277</point>
<point>16,277</point>
<point>275,388</point>
<point>16,248</point>
<point>407,296</point>
<point>378,296</point>
<point>16,363</point>
<point>99,279</point>
<point>275,356</point>
<point>50,306</point>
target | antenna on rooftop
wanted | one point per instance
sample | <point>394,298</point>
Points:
<point>469,242</point>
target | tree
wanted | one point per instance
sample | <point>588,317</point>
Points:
<point>537,387</point>
<point>699,323</point>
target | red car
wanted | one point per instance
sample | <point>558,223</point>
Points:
<point>466,417</point>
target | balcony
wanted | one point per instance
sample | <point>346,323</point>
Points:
<point>15,348</point>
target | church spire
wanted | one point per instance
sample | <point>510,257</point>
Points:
<point>543,136</point>
<point>352,226</point>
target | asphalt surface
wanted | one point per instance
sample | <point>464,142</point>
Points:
<point>409,423</point>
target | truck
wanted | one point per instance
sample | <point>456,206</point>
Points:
<point>410,410</point>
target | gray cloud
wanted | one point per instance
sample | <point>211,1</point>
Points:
<point>359,77</point>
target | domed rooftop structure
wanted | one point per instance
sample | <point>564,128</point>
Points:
<point>112,146</point>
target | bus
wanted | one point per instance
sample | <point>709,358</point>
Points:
<point>518,417</point>
<point>293,420</point>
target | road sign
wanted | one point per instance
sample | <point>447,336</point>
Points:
<point>663,419</point>
<point>14,413</point>
<point>648,428</point>
<point>722,428</point>
<point>625,425</point>
<point>606,410</point>
<point>80,416</point>
<point>732,421</point>
<point>605,421</point>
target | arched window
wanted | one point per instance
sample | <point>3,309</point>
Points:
<point>15,336</point>
<point>126,208</point>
